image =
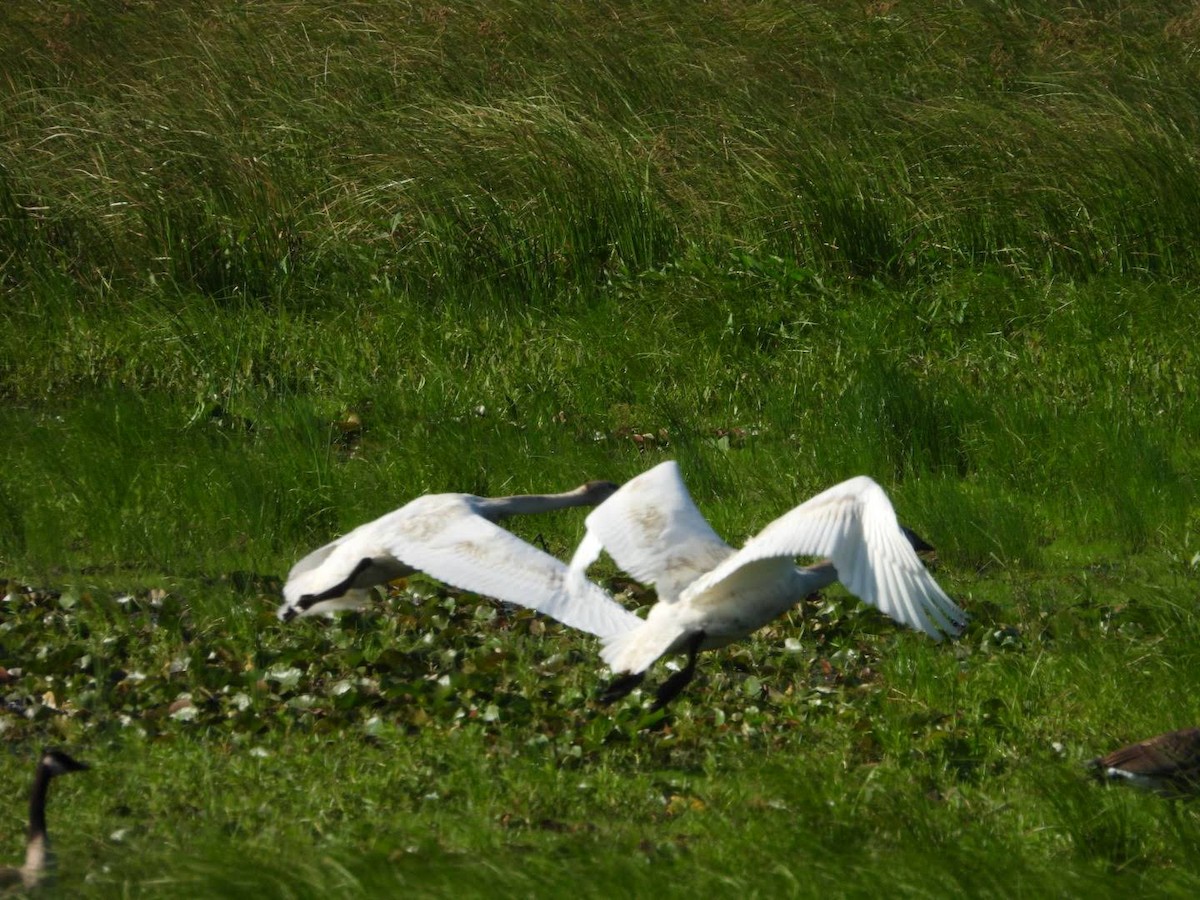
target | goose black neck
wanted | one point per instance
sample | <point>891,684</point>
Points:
<point>37,801</point>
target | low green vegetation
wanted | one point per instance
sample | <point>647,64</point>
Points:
<point>272,269</point>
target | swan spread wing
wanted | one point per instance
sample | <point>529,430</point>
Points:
<point>340,563</point>
<point>853,524</point>
<point>442,536</point>
<point>314,559</point>
<point>653,531</point>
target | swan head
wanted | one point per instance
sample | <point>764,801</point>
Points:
<point>596,492</point>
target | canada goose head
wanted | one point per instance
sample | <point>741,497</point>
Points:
<point>38,859</point>
<point>59,762</point>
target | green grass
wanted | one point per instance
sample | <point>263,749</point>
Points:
<point>950,246</point>
<point>444,746</point>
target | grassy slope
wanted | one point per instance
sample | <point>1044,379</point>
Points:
<point>953,247</point>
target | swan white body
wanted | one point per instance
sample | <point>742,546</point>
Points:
<point>710,594</point>
<point>455,539</point>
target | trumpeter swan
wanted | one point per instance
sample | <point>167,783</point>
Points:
<point>1168,764</point>
<point>455,539</point>
<point>38,859</point>
<point>710,595</point>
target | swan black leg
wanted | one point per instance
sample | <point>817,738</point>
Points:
<point>620,687</point>
<point>672,686</point>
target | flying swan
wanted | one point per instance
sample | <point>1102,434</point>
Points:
<point>455,539</point>
<point>710,595</point>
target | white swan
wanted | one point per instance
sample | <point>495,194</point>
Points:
<point>454,538</point>
<point>39,862</point>
<point>710,595</point>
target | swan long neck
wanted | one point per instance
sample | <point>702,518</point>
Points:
<point>810,579</point>
<point>497,508</point>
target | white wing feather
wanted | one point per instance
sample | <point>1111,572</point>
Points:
<point>314,559</point>
<point>453,544</point>
<point>652,530</point>
<point>853,524</point>
<point>443,536</point>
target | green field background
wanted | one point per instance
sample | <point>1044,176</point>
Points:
<point>271,269</point>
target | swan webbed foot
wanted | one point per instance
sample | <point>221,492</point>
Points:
<point>620,687</point>
<point>671,688</point>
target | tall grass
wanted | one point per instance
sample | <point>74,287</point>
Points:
<point>273,152</point>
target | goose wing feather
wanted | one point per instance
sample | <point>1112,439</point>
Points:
<point>853,524</point>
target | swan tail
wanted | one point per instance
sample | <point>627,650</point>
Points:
<point>636,650</point>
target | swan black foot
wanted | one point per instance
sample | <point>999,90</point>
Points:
<point>621,687</point>
<point>672,686</point>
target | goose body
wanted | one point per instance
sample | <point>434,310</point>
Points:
<point>455,539</point>
<point>710,594</point>
<point>38,858</point>
<point>1167,764</point>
